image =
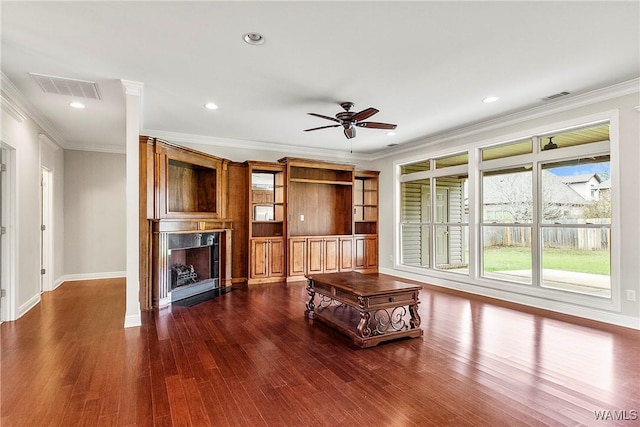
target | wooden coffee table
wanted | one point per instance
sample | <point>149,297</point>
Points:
<point>368,308</point>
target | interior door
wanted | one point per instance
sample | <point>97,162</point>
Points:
<point>442,233</point>
<point>45,230</point>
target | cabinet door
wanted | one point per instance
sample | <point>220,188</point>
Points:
<point>346,254</point>
<point>371,252</point>
<point>259,258</point>
<point>314,255</point>
<point>331,255</point>
<point>297,256</point>
<point>276,257</point>
<point>360,256</point>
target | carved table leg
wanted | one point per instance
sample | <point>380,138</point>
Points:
<point>363,327</point>
<point>311,306</point>
<point>415,317</point>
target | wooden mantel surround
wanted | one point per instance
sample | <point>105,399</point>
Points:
<point>182,191</point>
<point>278,221</point>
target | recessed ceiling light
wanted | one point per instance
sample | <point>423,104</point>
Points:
<point>210,106</point>
<point>490,99</point>
<point>253,38</point>
<point>391,133</point>
<point>78,105</point>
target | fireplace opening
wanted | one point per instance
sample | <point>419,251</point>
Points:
<point>194,264</point>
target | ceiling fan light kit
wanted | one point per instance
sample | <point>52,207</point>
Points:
<point>349,120</point>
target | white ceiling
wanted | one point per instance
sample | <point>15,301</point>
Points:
<point>425,65</point>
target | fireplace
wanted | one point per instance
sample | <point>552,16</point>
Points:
<point>194,263</point>
<point>189,258</point>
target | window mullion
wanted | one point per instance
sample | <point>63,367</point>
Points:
<point>536,261</point>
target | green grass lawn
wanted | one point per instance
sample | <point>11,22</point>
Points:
<point>500,258</point>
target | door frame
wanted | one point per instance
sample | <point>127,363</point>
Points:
<point>46,235</point>
<point>8,251</point>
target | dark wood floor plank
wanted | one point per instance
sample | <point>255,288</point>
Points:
<point>177,401</point>
<point>228,404</point>
<point>251,358</point>
<point>212,405</point>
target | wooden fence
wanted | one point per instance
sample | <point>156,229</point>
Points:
<point>555,237</point>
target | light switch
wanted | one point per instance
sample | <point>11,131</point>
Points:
<point>301,217</point>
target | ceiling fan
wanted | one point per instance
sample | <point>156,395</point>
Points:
<point>349,120</point>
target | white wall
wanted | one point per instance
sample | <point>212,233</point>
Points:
<point>95,220</point>
<point>628,312</point>
<point>22,135</point>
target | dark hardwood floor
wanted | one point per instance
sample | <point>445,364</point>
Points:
<point>250,358</point>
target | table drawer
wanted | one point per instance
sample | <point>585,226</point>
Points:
<point>398,299</point>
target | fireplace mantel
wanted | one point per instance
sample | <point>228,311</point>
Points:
<point>162,229</point>
<point>190,226</point>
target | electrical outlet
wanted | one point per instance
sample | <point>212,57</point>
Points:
<point>631,295</point>
<point>301,217</point>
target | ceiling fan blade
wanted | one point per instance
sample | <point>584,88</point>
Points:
<point>364,114</point>
<point>350,132</point>
<point>376,125</point>
<point>322,127</point>
<point>324,117</point>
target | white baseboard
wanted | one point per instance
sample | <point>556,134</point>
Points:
<point>89,276</point>
<point>132,320</point>
<point>590,313</point>
<point>24,308</point>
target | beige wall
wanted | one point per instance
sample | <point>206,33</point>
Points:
<point>94,206</point>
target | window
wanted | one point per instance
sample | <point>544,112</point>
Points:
<point>434,225</point>
<point>416,213</point>
<point>451,225</point>
<point>547,221</point>
<point>541,214</point>
<point>576,226</point>
<point>507,212</point>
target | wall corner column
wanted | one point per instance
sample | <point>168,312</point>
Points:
<point>133,119</point>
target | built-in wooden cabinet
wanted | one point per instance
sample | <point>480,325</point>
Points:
<point>266,259</point>
<point>365,202</point>
<point>365,221</point>
<point>189,184</point>
<point>297,258</point>
<point>283,219</point>
<point>346,253</point>
<point>332,212</point>
<point>319,198</point>
<point>366,253</point>
<point>323,255</point>
<point>183,192</point>
<point>267,223</point>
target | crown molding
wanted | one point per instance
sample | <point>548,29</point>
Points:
<point>547,109</point>
<point>132,87</point>
<point>109,149</point>
<point>11,109</point>
<point>20,102</point>
<point>247,144</point>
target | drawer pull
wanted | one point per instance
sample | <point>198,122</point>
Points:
<point>392,299</point>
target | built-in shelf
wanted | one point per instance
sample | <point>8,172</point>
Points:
<point>320,181</point>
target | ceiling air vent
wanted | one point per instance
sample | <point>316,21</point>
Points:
<point>64,86</point>
<point>555,96</point>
